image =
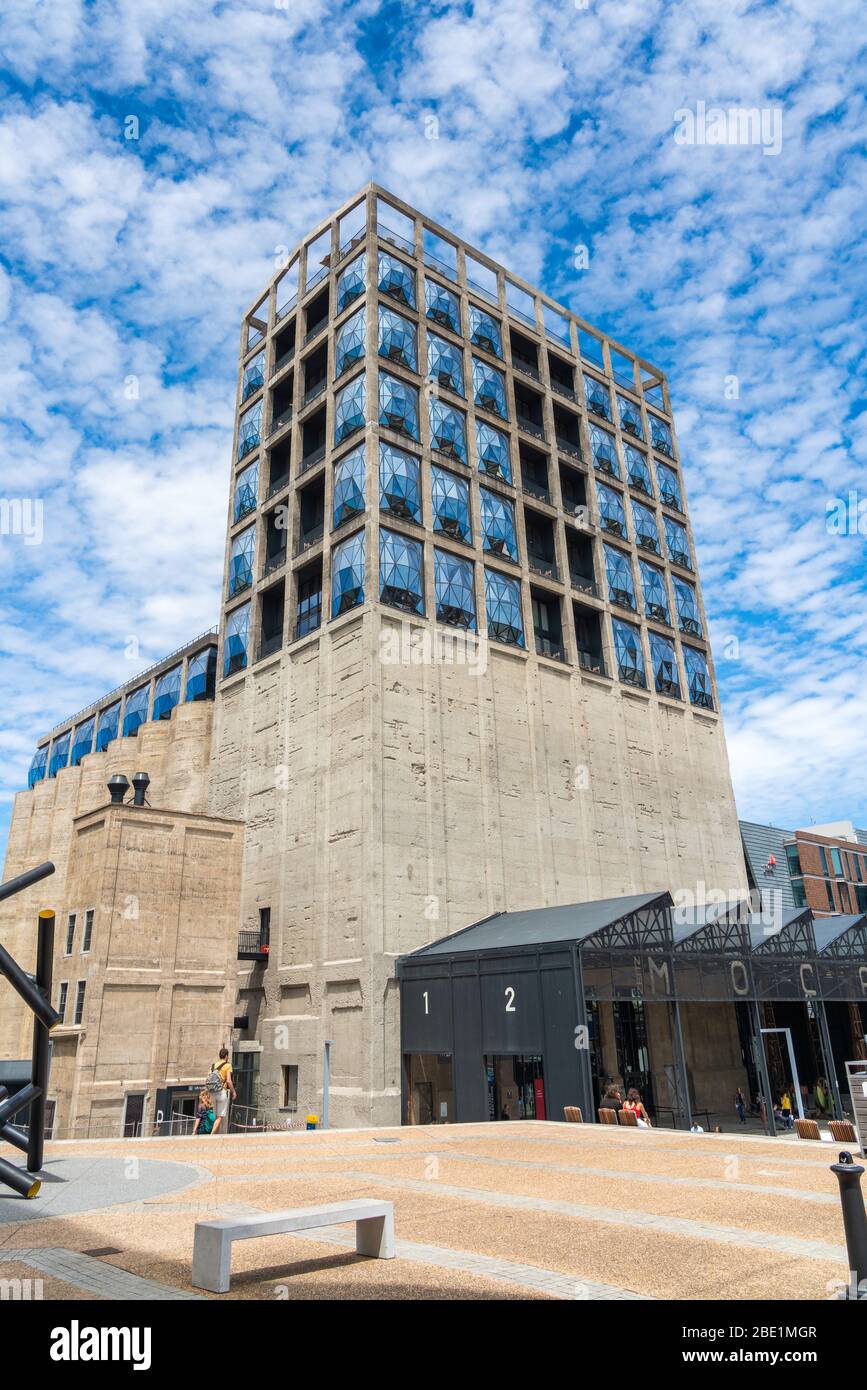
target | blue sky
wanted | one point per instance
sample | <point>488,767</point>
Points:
<point>136,258</point>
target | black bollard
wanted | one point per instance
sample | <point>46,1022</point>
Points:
<point>849,1175</point>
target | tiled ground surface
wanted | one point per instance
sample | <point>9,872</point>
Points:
<point>481,1211</point>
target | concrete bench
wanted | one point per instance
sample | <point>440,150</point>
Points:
<point>212,1244</point>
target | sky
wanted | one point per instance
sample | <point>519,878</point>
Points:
<point>559,147</point>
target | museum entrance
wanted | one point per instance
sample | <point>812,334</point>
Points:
<point>430,1090</point>
<point>516,1087</point>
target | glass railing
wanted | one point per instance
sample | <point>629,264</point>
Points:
<point>269,645</point>
<point>520,364</point>
<point>522,317</point>
<point>287,307</point>
<point>490,295</point>
<point>582,582</point>
<point>534,489</point>
<point>274,562</point>
<point>311,621</point>
<point>283,360</point>
<point>280,420</point>
<point>563,389</point>
<point>307,539</point>
<point>394,238</point>
<point>278,485</point>
<point>566,446</point>
<point>435,263</point>
<point>545,646</point>
<point>530,426</point>
<point>316,278</point>
<point>315,391</point>
<point>589,661</point>
<point>350,245</point>
<point>540,565</point>
<point>310,460</point>
<point>315,331</point>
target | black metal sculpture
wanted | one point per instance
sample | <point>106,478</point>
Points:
<point>35,990</point>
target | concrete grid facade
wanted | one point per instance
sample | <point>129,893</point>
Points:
<point>388,801</point>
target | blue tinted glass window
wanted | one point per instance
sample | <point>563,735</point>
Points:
<point>348,490</point>
<point>455,594</point>
<point>349,409</point>
<point>401,579</point>
<point>629,415</point>
<point>660,434</point>
<point>638,470</point>
<point>503,608</point>
<point>655,595</point>
<point>351,282</point>
<point>604,452</point>
<point>485,331</point>
<point>236,640</point>
<point>107,726</point>
<point>627,649</point>
<point>450,497</point>
<point>349,343</point>
<point>135,710</point>
<point>396,279</point>
<point>202,674</point>
<point>250,429</point>
<point>498,524</point>
<point>646,530</point>
<point>677,543</point>
<point>597,397</point>
<point>59,753</point>
<point>38,766</point>
<point>663,662</point>
<point>398,405</point>
<point>611,513</point>
<point>254,375</point>
<point>442,306</point>
<point>489,388</point>
<point>669,486</point>
<point>689,618</point>
<point>492,447</point>
<point>241,557</point>
<point>167,692</point>
<point>448,430</point>
<point>445,363</point>
<point>399,485</point>
<point>397,338</point>
<point>698,677</point>
<point>618,571</point>
<point>82,741</point>
<point>347,574</point>
<point>246,492</point>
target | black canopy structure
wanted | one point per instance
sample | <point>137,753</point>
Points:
<point>522,982</point>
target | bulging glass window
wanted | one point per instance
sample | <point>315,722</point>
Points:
<point>349,342</point>
<point>503,608</point>
<point>492,447</point>
<point>445,363</point>
<point>655,595</point>
<point>398,405</point>
<point>442,306</point>
<point>455,593</point>
<point>663,662</point>
<point>348,489</point>
<point>660,434</point>
<point>618,571</point>
<point>638,470</point>
<point>351,282</point>
<point>489,388</point>
<point>250,430</point>
<point>202,674</point>
<point>38,766</point>
<point>399,482</point>
<point>448,430</point>
<point>629,415</point>
<point>450,498</point>
<point>167,692</point>
<point>347,574</point>
<point>236,640</point>
<point>241,559</point>
<point>401,576</point>
<point>597,397</point>
<point>688,615</point>
<point>627,649</point>
<point>59,753</point>
<point>82,741</point>
<point>698,677</point>
<point>604,451</point>
<point>254,375</point>
<point>498,524</point>
<point>396,279</point>
<point>135,710</point>
<point>397,339</point>
<point>107,726</point>
<point>611,513</point>
<point>349,409</point>
<point>485,331</point>
<point>677,543</point>
<point>669,486</point>
<point>646,530</point>
<point>246,497</point>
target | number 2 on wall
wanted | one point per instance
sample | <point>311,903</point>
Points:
<point>510,999</point>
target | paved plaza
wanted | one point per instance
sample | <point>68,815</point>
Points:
<point>503,1211</point>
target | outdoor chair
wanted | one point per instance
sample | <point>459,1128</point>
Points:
<point>842,1132</point>
<point>573,1114</point>
<point>628,1118</point>
<point>607,1116</point>
<point>807,1129</point>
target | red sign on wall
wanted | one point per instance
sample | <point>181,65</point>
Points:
<point>539,1088</point>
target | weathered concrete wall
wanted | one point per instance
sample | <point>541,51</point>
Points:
<point>174,752</point>
<point>387,805</point>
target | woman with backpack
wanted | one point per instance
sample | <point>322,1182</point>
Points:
<point>221,1084</point>
<point>205,1116</point>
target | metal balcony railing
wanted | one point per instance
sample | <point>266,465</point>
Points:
<point>566,446</point>
<point>281,420</point>
<point>311,622</point>
<point>310,460</point>
<point>287,307</point>
<point>526,368</point>
<point>253,945</point>
<point>546,647</point>
<point>583,583</point>
<point>278,484</point>
<point>274,562</point>
<point>308,539</point>
<point>313,392</point>
<point>530,426</point>
<point>539,565</point>
<point>534,489</point>
<point>563,389</point>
